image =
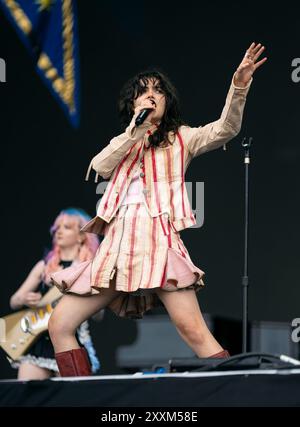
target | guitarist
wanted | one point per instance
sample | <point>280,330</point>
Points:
<point>69,246</point>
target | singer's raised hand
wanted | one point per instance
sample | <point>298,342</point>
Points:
<point>249,64</point>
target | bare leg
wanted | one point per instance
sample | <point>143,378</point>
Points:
<point>27,371</point>
<point>71,311</point>
<point>185,313</point>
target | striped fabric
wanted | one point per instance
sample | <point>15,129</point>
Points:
<point>140,257</point>
<point>135,258</point>
<point>134,192</point>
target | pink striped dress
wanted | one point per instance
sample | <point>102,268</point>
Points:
<point>138,257</point>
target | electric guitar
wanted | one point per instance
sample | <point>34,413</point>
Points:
<point>19,330</point>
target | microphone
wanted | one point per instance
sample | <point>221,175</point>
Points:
<point>142,116</point>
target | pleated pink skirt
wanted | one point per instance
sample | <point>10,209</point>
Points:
<point>138,257</point>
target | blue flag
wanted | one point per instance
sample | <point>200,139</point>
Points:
<point>49,30</point>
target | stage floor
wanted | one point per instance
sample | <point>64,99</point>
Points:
<point>267,387</point>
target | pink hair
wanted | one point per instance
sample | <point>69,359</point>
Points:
<point>87,249</point>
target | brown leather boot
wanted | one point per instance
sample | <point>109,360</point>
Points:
<point>221,354</point>
<point>73,363</point>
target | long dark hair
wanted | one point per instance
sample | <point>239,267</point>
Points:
<point>134,88</point>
